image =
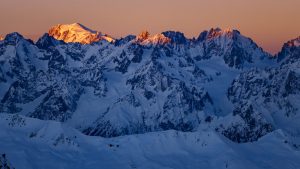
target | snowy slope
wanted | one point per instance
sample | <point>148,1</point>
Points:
<point>77,33</point>
<point>30,143</point>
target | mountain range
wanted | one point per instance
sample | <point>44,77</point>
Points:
<point>152,101</point>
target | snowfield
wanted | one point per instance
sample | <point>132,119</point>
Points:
<point>30,143</point>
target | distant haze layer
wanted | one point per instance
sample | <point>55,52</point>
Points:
<point>269,22</point>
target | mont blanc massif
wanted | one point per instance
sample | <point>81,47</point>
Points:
<point>78,98</point>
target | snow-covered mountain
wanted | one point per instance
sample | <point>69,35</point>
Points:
<point>289,50</point>
<point>145,39</point>
<point>150,83</point>
<point>77,33</point>
<point>237,50</point>
<point>272,94</point>
<point>219,84</point>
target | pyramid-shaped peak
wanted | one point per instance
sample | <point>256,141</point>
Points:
<point>13,37</point>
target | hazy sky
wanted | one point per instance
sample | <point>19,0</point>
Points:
<point>268,22</point>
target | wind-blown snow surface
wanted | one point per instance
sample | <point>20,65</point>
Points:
<point>30,143</point>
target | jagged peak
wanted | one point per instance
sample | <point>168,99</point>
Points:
<point>176,37</point>
<point>145,38</point>
<point>294,42</point>
<point>77,32</point>
<point>216,33</point>
<point>46,41</point>
<point>288,48</point>
<point>124,40</point>
<point>14,35</point>
<point>13,38</point>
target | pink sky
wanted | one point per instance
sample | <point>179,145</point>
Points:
<point>268,22</point>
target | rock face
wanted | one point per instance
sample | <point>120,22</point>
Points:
<point>77,33</point>
<point>237,50</point>
<point>4,163</point>
<point>290,49</point>
<point>271,94</point>
<point>221,80</point>
<point>145,39</point>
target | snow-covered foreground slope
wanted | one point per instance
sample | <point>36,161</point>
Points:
<point>31,143</point>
